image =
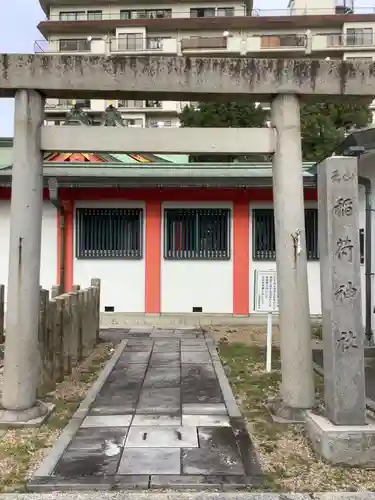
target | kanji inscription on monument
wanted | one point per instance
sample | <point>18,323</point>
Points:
<point>343,349</point>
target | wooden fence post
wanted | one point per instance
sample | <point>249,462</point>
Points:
<point>75,340</point>
<point>59,346</point>
<point>44,385</point>
<point>80,314</point>
<point>67,334</point>
<point>95,282</point>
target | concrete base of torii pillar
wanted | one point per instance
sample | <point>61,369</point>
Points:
<point>22,360</point>
<point>343,435</point>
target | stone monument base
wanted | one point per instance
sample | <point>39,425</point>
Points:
<point>350,445</point>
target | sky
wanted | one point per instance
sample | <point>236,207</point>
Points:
<point>18,32</point>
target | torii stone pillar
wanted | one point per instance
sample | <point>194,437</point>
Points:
<point>297,387</point>
<point>21,364</point>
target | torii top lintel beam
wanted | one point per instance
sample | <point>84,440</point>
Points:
<point>184,78</point>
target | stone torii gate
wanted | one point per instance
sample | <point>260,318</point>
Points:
<point>31,78</point>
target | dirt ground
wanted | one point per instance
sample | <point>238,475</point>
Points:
<point>22,450</point>
<point>286,457</point>
<point>247,335</point>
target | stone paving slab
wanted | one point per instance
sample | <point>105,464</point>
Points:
<point>156,420</point>
<point>106,421</point>
<point>150,461</point>
<point>165,400</point>
<point>159,378</point>
<point>162,437</point>
<point>99,439</point>
<point>204,409</point>
<point>159,420</point>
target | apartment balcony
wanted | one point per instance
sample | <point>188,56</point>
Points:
<point>133,43</point>
<point>195,44</point>
<point>285,42</point>
<point>65,105</point>
<point>121,4</point>
<point>272,45</point>
<point>149,108</point>
<point>79,46</point>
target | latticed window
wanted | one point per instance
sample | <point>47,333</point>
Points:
<point>200,234</point>
<point>109,233</point>
<point>264,246</point>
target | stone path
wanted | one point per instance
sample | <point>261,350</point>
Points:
<point>164,418</point>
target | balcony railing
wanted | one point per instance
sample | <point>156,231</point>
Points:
<point>350,40</point>
<point>215,42</point>
<point>289,41</point>
<point>64,104</point>
<point>363,9</point>
<point>80,46</point>
<point>130,104</point>
<point>133,42</point>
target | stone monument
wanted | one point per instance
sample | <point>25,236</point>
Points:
<point>342,435</point>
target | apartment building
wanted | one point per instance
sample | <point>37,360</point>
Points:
<point>305,28</point>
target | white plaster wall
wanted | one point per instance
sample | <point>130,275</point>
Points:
<point>189,283</point>
<point>48,269</point>
<point>367,169</point>
<point>122,280</point>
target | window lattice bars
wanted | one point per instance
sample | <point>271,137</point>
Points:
<point>264,245</point>
<point>200,234</point>
<point>109,233</point>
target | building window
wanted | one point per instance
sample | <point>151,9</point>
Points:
<point>155,43</point>
<point>125,14</point>
<point>133,122</point>
<point>130,104</point>
<point>225,11</point>
<point>159,124</point>
<point>359,36</point>
<point>199,234</point>
<point>75,45</point>
<point>264,246</point>
<point>109,233</point>
<point>130,41</point>
<point>73,16</point>
<point>362,59</point>
<point>94,15</point>
<point>205,12</point>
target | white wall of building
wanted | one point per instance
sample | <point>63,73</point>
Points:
<point>367,169</point>
<point>122,280</point>
<point>188,283</point>
<point>304,7</point>
<point>48,269</point>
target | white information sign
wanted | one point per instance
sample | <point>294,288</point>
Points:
<point>266,291</point>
